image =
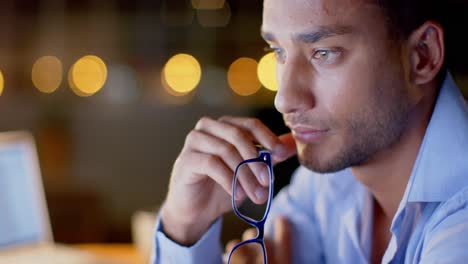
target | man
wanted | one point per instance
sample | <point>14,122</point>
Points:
<point>379,127</point>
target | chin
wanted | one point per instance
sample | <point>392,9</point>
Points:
<point>313,158</point>
<point>320,167</point>
<point>320,159</point>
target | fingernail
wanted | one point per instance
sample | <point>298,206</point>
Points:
<point>280,151</point>
<point>240,194</point>
<point>265,177</point>
<point>261,194</point>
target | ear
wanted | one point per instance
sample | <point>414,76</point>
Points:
<point>426,52</point>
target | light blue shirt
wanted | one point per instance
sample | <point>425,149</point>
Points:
<point>331,214</point>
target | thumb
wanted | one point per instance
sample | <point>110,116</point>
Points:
<point>287,149</point>
<point>282,241</point>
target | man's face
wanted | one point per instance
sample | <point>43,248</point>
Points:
<point>343,90</point>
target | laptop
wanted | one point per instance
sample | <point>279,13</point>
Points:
<point>25,230</point>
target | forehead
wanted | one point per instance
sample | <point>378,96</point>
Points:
<point>300,15</point>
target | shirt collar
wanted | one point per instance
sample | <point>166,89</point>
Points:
<point>441,168</point>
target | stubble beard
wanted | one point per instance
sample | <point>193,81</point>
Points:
<point>369,131</point>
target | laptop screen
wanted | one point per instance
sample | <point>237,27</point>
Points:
<point>21,199</point>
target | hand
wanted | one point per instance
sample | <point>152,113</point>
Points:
<point>201,180</point>
<point>278,248</point>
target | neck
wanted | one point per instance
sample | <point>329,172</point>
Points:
<point>387,173</point>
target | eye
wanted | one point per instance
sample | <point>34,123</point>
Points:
<point>279,53</point>
<point>326,56</point>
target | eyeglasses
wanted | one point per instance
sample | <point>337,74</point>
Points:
<point>253,213</point>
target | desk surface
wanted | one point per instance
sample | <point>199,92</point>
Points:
<point>124,253</point>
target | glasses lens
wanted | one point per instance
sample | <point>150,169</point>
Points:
<point>250,253</point>
<point>248,173</point>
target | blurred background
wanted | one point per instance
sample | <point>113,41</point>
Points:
<point>111,88</point>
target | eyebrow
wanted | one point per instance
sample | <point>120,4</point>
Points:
<point>314,36</point>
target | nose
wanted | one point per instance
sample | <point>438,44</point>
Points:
<point>295,93</point>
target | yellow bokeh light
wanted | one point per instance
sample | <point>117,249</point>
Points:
<point>168,89</point>
<point>47,74</point>
<point>242,77</point>
<point>168,96</point>
<point>267,72</point>
<point>87,76</point>
<point>181,74</point>
<point>2,83</point>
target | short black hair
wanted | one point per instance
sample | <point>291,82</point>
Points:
<point>405,16</point>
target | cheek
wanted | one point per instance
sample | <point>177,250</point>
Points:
<point>345,95</point>
<point>354,86</point>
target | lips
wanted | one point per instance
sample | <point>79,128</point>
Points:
<point>308,134</point>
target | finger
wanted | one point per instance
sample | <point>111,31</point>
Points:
<point>282,147</point>
<point>260,171</point>
<point>246,178</point>
<point>262,134</point>
<point>249,234</point>
<point>282,240</point>
<point>212,166</point>
<point>231,244</point>
<point>242,139</point>
<point>199,141</point>
<point>202,142</point>
<point>239,137</point>
<point>289,147</point>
